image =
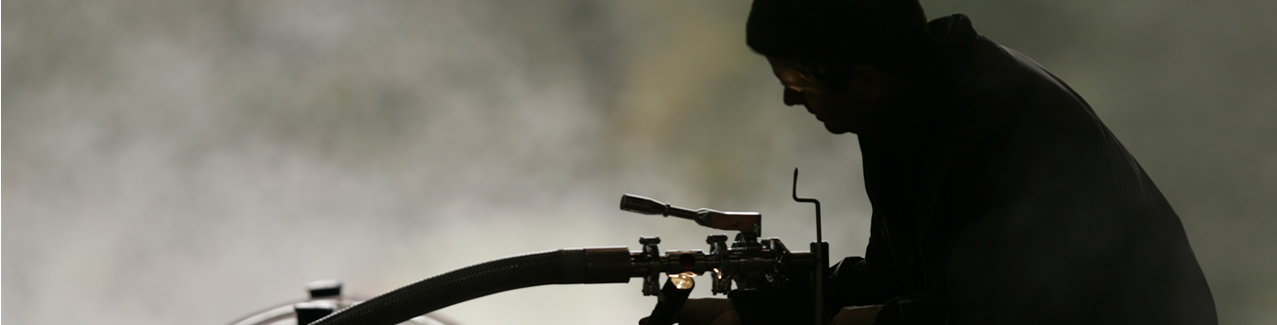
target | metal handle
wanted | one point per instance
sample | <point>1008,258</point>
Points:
<point>747,222</point>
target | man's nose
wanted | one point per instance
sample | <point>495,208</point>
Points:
<point>793,97</point>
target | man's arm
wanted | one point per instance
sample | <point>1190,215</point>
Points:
<point>870,280</point>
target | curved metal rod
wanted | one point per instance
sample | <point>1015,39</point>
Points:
<point>808,200</point>
<point>817,249</point>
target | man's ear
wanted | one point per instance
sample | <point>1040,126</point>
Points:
<point>866,82</point>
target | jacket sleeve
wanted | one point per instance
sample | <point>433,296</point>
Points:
<point>917,309</point>
<point>869,280</point>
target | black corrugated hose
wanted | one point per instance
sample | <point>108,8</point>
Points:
<point>564,266</point>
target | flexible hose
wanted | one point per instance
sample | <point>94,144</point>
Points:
<point>564,266</point>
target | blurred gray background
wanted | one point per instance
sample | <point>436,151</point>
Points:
<point>196,161</point>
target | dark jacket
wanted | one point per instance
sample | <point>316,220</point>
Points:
<point>1007,201</point>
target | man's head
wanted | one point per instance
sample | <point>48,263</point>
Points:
<point>847,61</point>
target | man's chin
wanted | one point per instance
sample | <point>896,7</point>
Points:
<point>837,129</point>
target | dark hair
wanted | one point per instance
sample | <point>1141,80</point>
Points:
<point>829,38</point>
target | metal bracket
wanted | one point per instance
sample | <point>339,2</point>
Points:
<point>651,286</point>
<point>721,281</point>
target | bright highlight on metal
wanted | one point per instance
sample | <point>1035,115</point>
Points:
<point>683,281</point>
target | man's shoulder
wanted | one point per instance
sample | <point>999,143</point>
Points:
<point>990,86</point>
<point>975,67</point>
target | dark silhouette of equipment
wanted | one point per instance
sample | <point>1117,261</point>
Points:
<point>755,266</point>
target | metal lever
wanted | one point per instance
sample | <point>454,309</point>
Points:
<point>745,222</point>
<point>807,200</point>
<point>818,251</point>
<point>646,205</point>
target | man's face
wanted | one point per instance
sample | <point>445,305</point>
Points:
<point>852,109</point>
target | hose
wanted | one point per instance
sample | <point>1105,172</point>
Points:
<point>564,266</point>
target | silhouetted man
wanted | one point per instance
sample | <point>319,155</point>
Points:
<point>998,195</point>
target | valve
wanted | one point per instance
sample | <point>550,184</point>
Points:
<point>749,263</point>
